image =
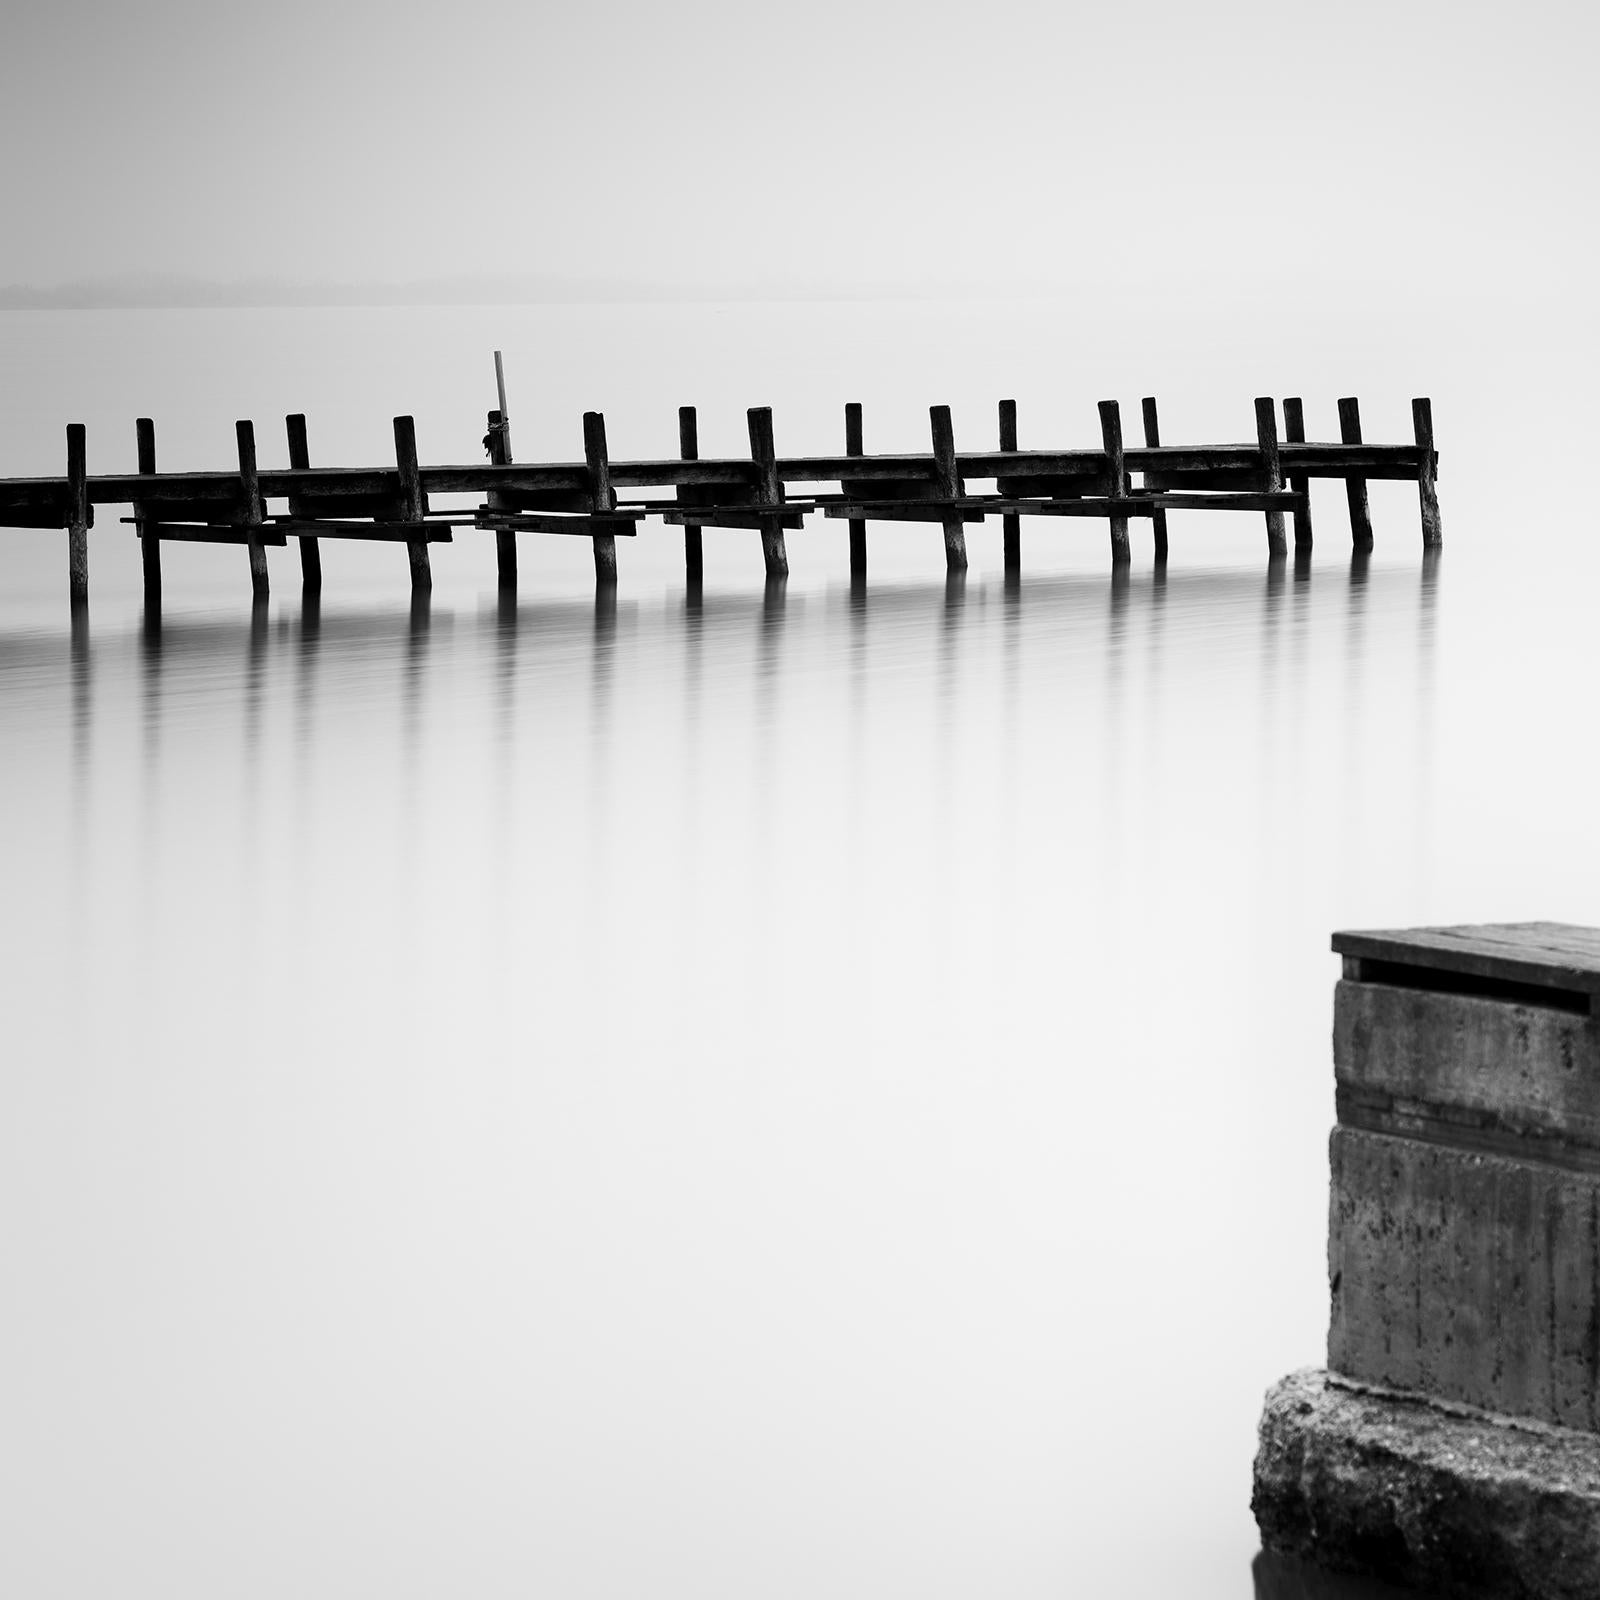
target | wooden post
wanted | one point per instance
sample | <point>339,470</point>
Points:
<point>1422,425</point>
<point>948,482</point>
<point>505,541</point>
<point>1152,438</point>
<point>1355,488</point>
<point>769,489</point>
<point>310,550</point>
<point>694,556</point>
<point>1294,428</point>
<point>252,515</point>
<point>413,502</point>
<point>149,539</point>
<point>854,445</point>
<point>1010,522</point>
<point>1116,479</point>
<point>77,514</point>
<point>602,497</point>
<point>1272,470</point>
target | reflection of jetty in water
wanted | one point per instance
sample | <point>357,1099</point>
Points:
<point>768,494</point>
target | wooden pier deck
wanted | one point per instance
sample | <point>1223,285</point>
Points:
<point>772,495</point>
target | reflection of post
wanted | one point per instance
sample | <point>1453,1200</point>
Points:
<point>1294,429</point>
<point>77,514</point>
<point>413,502</point>
<point>947,486</point>
<point>310,551</point>
<point>602,497</point>
<point>1355,488</point>
<point>1116,478</point>
<point>1010,522</point>
<point>1271,470</point>
<point>251,514</point>
<point>694,563</point>
<point>1152,439</point>
<point>855,445</point>
<point>149,538</point>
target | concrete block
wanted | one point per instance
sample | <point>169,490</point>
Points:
<point>1454,1501</point>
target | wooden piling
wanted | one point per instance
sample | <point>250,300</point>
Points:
<point>1152,438</point>
<point>505,541</point>
<point>78,514</point>
<point>1271,470</point>
<point>149,539</point>
<point>602,497</point>
<point>1116,479</point>
<point>694,554</point>
<point>1355,488</point>
<point>1010,522</point>
<point>1294,429</point>
<point>310,550</point>
<point>948,480</point>
<point>1422,425</point>
<point>769,489</point>
<point>251,514</point>
<point>855,445</point>
<point>413,502</point>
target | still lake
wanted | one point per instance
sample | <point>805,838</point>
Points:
<point>790,1092</point>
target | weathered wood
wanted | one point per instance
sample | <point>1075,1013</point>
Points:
<point>622,526</point>
<point>769,489</point>
<point>310,551</point>
<point>1294,428</point>
<point>1116,478</point>
<point>855,445</point>
<point>252,513</point>
<point>1152,439</point>
<point>1355,488</point>
<point>149,537</point>
<point>1422,425</point>
<point>602,497</point>
<point>413,501</point>
<point>694,555</point>
<point>947,479</point>
<point>1272,470</point>
<point>1010,522</point>
<point>77,514</point>
<point>498,440</point>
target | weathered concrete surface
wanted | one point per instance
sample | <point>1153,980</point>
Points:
<point>1522,1078</point>
<point>1470,1277</point>
<point>1394,1487</point>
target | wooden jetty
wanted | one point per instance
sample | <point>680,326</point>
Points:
<point>603,500</point>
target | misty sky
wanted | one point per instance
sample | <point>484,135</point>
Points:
<point>875,141</point>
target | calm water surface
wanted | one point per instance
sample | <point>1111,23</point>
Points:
<point>772,1093</point>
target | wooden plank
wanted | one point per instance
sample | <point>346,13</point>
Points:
<point>1427,493</point>
<point>694,554</point>
<point>77,515</point>
<point>149,538</point>
<point>622,526</point>
<point>211,533</point>
<point>1552,955</point>
<point>902,510</point>
<point>432,531</point>
<point>498,442</point>
<point>756,518</point>
<point>1294,428</point>
<point>855,445</point>
<point>1152,439</point>
<point>413,501</point>
<point>1355,488</point>
<point>947,481</point>
<point>1011,523</point>
<point>300,458</point>
<point>769,489</point>
<point>602,497</point>
<point>1117,477</point>
<point>252,512</point>
<point>1272,471</point>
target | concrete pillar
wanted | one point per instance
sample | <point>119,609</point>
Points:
<point>1454,1440</point>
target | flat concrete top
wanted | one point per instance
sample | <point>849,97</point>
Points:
<point>1554,955</point>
